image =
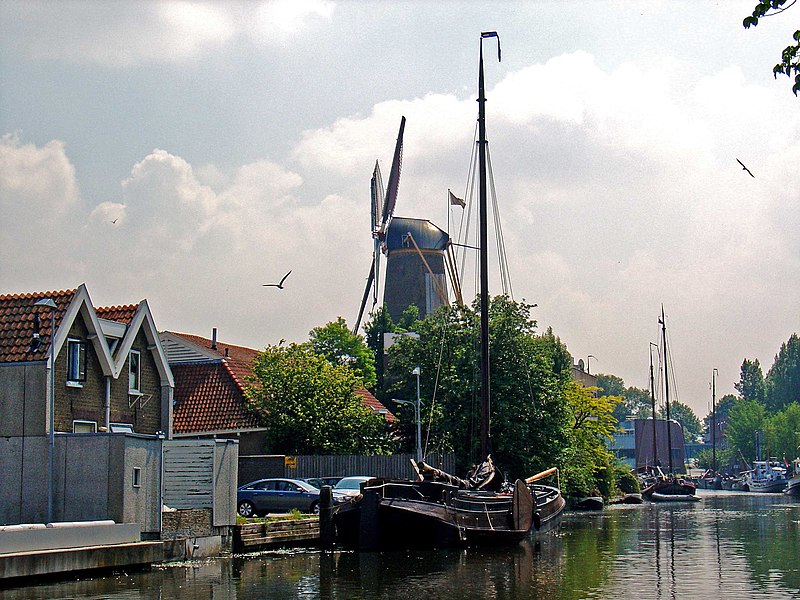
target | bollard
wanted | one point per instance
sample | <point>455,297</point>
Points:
<point>368,535</point>
<point>326,529</point>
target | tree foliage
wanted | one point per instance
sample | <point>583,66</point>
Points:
<point>342,347</point>
<point>308,405</point>
<point>751,381</point>
<point>783,379</point>
<point>745,418</point>
<point>528,376</point>
<point>588,468</point>
<point>783,433</point>
<point>790,57</point>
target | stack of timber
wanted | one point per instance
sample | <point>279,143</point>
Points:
<point>252,537</point>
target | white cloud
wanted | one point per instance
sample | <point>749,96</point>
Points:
<point>126,34</point>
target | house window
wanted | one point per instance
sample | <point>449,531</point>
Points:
<point>137,477</point>
<point>134,372</point>
<point>121,428</point>
<point>84,426</point>
<point>76,361</point>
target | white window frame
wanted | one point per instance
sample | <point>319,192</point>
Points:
<point>135,378</point>
<point>76,362</point>
<point>121,428</point>
<point>81,422</point>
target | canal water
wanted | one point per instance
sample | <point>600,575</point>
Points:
<point>729,545</point>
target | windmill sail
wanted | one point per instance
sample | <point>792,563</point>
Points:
<point>382,207</point>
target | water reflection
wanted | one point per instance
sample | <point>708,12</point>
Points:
<point>729,545</point>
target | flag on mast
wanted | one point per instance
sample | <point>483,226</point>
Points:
<point>455,200</point>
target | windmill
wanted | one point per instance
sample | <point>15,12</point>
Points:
<point>382,208</point>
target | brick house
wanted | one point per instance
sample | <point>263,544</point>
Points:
<point>110,378</point>
<point>210,380</point>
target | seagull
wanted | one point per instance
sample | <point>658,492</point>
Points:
<point>745,168</point>
<point>277,285</point>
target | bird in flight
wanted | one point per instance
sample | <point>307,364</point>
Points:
<point>745,168</point>
<point>277,285</point>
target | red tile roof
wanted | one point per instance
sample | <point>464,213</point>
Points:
<point>208,398</point>
<point>376,405</point>
<point>17,316</point>
<point>120,314</point>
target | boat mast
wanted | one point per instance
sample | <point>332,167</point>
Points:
<point>714,421</point>
<point>663,323</point>
<point>484,259</point>
<point>653,403</point>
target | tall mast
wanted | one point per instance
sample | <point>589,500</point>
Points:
<point>714,421</point>
<point>663,322</point>
<point>653,403</point>
<point>484,259</point>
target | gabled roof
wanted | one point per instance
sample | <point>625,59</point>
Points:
<point>17,323</point>
<point>210,382</point>
<point>17,316</point>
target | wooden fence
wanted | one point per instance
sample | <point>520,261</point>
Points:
<point>298,467</point>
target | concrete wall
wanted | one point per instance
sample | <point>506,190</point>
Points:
<point>92,479</point>
<point>23,399</point>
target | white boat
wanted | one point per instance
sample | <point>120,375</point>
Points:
<point>793,485</point>
<point>766,476</point>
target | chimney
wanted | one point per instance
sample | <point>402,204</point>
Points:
<point>214,338</point>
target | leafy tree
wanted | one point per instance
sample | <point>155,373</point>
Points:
<point>589,465</point>
<point>684,415</point>
<point>783,432</point>
<point>342,347</point>
<point>751,381</point>
<point>379,323</point>
<point>723,410</point>
<point>746,416</point>
<point>790,57</point>
<point>783,379</point>
<point>528,375</point>
<point>725,458</point>
<point>307,405</point>
<point>635,404</point>
<point>611,384</point>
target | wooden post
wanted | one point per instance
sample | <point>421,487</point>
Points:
<point>326,529</point>
<point>368,537</point>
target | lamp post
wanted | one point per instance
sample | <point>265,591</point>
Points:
<point>588,371</point>
<point>49,303</point>
<point>714,373</point>
<point>417,417</point>
<point>417,410</point>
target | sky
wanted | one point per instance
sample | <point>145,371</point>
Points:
<point>188,152</point>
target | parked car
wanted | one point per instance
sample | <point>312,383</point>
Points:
<point>276,495</point>
<point>350,486</point>
<point>318,482</point>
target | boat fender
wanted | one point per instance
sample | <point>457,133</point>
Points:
<point>537,519</point>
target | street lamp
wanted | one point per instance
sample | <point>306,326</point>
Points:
<point>417,417</point>
<point>49,303</point>
<point>588,371</point>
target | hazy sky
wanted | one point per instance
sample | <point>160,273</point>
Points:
<point>186,153</point>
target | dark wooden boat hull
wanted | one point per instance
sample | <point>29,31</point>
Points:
<point>587,503</point>
<point>549,505</point>
<point>423,515</point>
<point>670,490</point>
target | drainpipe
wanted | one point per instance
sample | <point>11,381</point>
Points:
<point>108,404</point>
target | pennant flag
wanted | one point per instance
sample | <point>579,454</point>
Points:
<point>455,200</point>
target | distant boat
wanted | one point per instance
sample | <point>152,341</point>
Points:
<point>793,485</point>
<point>661,487</point>
<point>766,476</point>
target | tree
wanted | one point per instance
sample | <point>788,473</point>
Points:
<point>307,405</point>
<point>751,382</point>
<point>610,384</point>
<point>589,465</point>
<point>746,417</point>
<point>529,373</point>
<point>783,379</point>
<point>342,347</point>
<point>684,415</point>
<point>783,432</point>
<point>790,57</point>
